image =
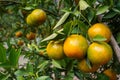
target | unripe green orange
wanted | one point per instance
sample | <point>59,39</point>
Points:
<point>55,50</point>
<point>99,53</point>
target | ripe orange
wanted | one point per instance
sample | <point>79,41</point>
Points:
<point>111,74</point>
<point>31,36</point>
<point>18,34</point>
<point>20,42</point>
<point>99,53</point>
<point>37,17</point>
<point>84,67</point>
<point>55,50</point>
<point>76,2</point>
<point>75,46</point>
<point>99,29</point>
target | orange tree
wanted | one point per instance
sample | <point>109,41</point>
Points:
<point>25,51</point>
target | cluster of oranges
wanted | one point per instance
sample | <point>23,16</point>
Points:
<point>35,18</point>
<point>90,55</point>
<point>29,36</point>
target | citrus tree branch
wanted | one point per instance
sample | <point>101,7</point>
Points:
<point>9,2</point>
<point>115,47</point>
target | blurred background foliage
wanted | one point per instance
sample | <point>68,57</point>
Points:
<point>13,15</point>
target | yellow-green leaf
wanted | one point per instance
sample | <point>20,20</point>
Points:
<point>83,5</point>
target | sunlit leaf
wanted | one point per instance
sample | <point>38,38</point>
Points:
<point>83,5</point>
<point>44,78</point>
<point>56,64</point>
<point>102,9</point>
<point>62,20</point>
<point>21,73</point>
<point>116,10</point>
<point>52,36</point>
<point>99,38</point>
<point>28,8</point>
<point>20,78</point>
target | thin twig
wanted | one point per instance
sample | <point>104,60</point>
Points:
<point>115,47</point>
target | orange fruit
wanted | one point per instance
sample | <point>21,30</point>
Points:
<point>75,46</point>
<point>31,36</point>
<point>99,53</point>
<point>76,2</point>
<point>99,29</point>
<point>18,34</point>
<point>84,66</point>
<point>37,17</point>
<point>20,42</point>
<point>29,21</point>
<point>24,12</point>
<point>111,74</point>
<point>55,50</point>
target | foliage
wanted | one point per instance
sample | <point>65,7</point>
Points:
<point>64,17</point>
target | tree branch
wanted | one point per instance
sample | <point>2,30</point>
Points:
<point>115,47</point>
<point>8,2</point>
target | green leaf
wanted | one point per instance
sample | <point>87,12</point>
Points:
<point>101,1</point>
<point>102,9</point>
<point>110,14</point>
<point>21,73</point>
<point>44,78</point>
<point>69,76</point>
<point>116,10</point>
<point>83,5</point>
<point>20,78</point>
<point>43,65</point>
<point>5,65</point>
<point>14,56</point>
<point>4,77</point>
<point>29,68</point>
<point>88,63</point>
<point>52,36</point>
<point>2,54</point>
<point>56,63</point>
<point>28,8</point>
<point>67,28</point>
<point>62,20</point>
<point>102,77</point>
<point>90,15</point>
<point>83,27</point>
<point>99,38</point>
